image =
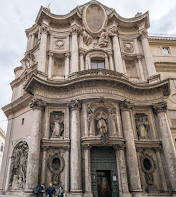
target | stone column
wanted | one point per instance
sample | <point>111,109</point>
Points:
<point>32,41</point>
<point>43,48</point>
<point>111,63</point>
<point>167,142</point>
<point>131,156</point>
<point>34,146</point>
<point>140,67</point>
<point>50,65</point>
<point>75,155</point>
<point>87,163</point>
<point>44,165</point>
<point>67,168</point>
<point>147,54</point>
<point>67,64</point>
<point>81,52</point>
<point>74,48</point>
<point>116,50</point>
<point>121,166</point>
<point>29,43</point>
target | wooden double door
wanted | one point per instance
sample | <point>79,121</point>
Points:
<point>104,172</point>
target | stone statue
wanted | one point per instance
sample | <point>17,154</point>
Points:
<point>86,37</point>
<point>57,125</point>
<point>90,119</point>
<point>30,60</point>
<point>103,40</point>
<point>18,166</point>
<point>101,123</point>
<point>142,126</point>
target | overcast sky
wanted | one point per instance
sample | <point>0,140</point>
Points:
<point>17,15</point>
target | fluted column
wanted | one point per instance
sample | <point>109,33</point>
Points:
<point>34,146</point>
<point>67,168</point>
<point>116,50</point>
<point>67,64</point>
<point>87,163</point>
<point>147,54</point>
<point>74,48</point>
<point>75,155</point>
<point>131,156</point>
<point>121,166</point>
<point>111,63</point>
<point>167,141</point>
<point>43,48</point>
<point>44,164</point>
<point>50,64</point>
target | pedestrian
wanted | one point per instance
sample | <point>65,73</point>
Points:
<point>39,190</point>
<point>61,192</point>
<point>50,191</point>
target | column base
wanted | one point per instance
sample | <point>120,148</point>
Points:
<point>88,194</point>
<point>75,193</point>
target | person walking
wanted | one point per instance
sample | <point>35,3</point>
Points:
<point>39,190</point>
<point>61,192</point>
<point>50,191</point>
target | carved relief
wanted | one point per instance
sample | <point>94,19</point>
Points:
<point>86,37</point>
<point>101,118</point>
<point>37,103</point>
<point>103,40</point>
<point>57,124</point>
<point>59,44</point>
<point>56,165</point>
<point>128,47</point>
<point>29,60</point>
<point>142,125</point>
<point>18,167</point>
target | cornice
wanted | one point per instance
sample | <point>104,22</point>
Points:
<point>91,78</point>
<point>171,41</point>
<point>17,104</point>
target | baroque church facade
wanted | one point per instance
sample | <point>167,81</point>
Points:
<point>93,108</point>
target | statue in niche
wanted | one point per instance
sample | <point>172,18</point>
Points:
<point>103,40</point>
<point>90,118</point>
<point>142,126</point>
<point>86,37</point>
<point>57,125</point>
<point>101,123</point>
<point>18,166</point>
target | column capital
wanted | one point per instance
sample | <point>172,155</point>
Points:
<point>119,147</point>
<point>50,54</point>
<point>44,29</point>
<point>45,148</point>
<point>110,52</point>
<point>143,34</point>
<point>75,28</point>
<point>126,105</point>
<point>66,148</point>
<point>37,103</point>
<point>75,104</point>
<point>87,146</point>
<point>67,54</point>
<point>82,51</point>
<point>139,56</point>
<point>113,30</point>
<point>160,107</point>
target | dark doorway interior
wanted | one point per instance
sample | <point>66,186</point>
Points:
<point>104,183</point>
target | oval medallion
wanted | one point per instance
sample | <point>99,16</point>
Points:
<point>94,18</point>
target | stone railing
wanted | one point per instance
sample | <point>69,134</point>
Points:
<point>97,72</point>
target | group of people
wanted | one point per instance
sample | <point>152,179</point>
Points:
<point>50,191</point>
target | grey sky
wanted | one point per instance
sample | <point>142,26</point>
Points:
<point>17,15</point>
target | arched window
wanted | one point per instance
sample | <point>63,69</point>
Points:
<point>97,63</point>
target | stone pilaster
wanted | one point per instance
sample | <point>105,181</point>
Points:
<point>75,154</point>
<point>75,29</point>
<point>140,67</point>
<point>111,63</point>
<point>87,163</point>
<point>67,64</point>
<point>167,142</point>
<point>50,64</point>
<point>44,29</point>
<point>116,50</point>
<point>34,146</point>
<point>67,168</point>
<point>147,54</point>
<point>131,156</point>
<point>82,52</point>
<point>122,172</point>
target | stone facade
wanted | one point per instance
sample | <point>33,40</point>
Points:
<point>93,107</point>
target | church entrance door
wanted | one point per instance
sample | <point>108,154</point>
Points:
<point>104,172</point>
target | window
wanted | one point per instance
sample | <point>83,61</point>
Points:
<point>166,50</point>
<point>22,121</point>
<point>2,147</point>
<point>97,62</point>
